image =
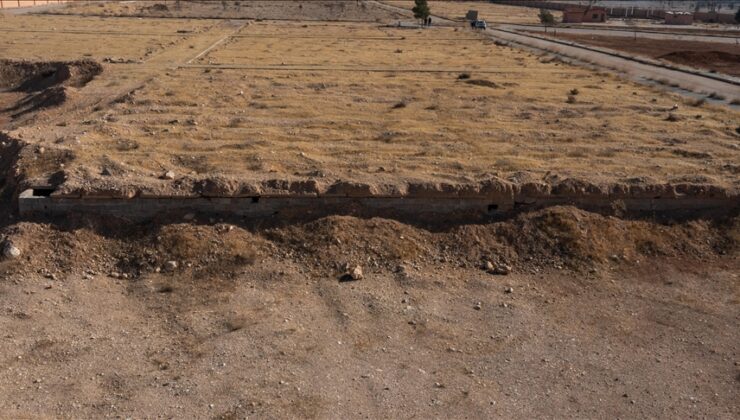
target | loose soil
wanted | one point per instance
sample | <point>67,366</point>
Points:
<point>27,87</point>
<point>255,320</point>
<point>717,57</point>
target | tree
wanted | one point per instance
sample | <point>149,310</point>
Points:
<point>421,10</point>
<point>546,18</point>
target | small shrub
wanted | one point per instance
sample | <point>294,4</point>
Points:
<point>463,76</point>
<point>399,105</point>
<point>574,92</point>
<point>717,96</point>
<point>673,117</point>
<point>480,82</point>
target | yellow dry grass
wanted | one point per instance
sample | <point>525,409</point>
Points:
<point>385,105</point>
<point>44,38</point>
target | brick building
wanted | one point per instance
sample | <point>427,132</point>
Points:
<point>582,14</point>
<point>679,18</point>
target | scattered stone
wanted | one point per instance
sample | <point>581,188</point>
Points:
<point>509,290</point>
<point>356,273</point>
<point>189,216</point>
<point>488,266</point>
<point>115,274</point>
<point>502,269</point>
<point>10,250</point>
<point>477,306</point>
<point>170,266</point>
<point>169,175</point>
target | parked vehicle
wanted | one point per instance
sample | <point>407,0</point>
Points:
<point>479,24</point>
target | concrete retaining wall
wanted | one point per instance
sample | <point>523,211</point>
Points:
<point>404,208</point>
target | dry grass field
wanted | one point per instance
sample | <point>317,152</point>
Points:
<point>366,103</point>
<point>332,10</point>
<point>47,38</point>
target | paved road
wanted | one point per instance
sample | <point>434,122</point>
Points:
<point>627,34</point>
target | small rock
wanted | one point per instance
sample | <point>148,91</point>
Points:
<point>115,274</point>
<point>356,273</point>
<point>170,265</point>
<point>502,269</point>
<point>189,216</point>
<point>509,290</point>
<point>488,266</point>
<point>11,251</point>
<point>477,306</point>
<point>170,175</point>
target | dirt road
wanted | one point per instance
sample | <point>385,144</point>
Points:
<point>626,33</point>
<point>638,71</point>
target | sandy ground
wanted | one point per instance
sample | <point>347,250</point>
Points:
<point>721,58</point>
<point>255,322</point>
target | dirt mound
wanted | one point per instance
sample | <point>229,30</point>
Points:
<point>42,84</point>
<point>558,236</point>
<point>719,61</point>
<point>335,241</point>
<point>29,76</point>
<point>215,254</point>
<point>702,56</point>
<point>157,7</point>
<point>50,97</point>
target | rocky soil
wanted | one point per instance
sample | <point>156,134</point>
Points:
<point>558,313</point>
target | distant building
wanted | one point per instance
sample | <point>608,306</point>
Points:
<point>472,15</point>
<point>679,18</point>
<point>582,14</point>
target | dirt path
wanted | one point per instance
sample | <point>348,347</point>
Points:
<point>627,33</point>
